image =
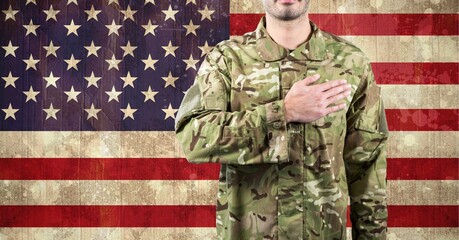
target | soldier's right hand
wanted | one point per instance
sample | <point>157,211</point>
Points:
<point>305,102</point>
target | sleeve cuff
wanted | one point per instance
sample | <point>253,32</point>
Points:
<point>277,131</point>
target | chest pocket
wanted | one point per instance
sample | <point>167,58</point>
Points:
<point>254,84</point>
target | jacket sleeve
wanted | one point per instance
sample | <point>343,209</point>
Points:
<point>209,132</point>
<point>365,160</point>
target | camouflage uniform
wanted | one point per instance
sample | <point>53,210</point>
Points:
<point>283,180</point>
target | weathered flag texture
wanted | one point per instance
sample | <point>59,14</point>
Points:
<point>89,92</point>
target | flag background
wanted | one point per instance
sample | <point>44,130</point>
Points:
<point>122,177</point>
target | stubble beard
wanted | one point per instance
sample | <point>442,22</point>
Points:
<point>285,14</point>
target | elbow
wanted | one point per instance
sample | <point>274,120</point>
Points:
<point>193,148</point>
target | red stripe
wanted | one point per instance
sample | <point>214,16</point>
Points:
<point>423,119</point>
<point>180,169</point>
<point>423,168</point>
<point>105,169</point>
<point>416,73</point>
<point>185,216</point>
<point>107,216</point>
<point>423,216</point>
<point>366,24</point>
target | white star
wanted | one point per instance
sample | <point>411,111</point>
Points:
<point>72,95</point>
<point>72,28</point>
<point>31,1</point>
<point>170,112</point>
<point>92,13</point>
<point>113,94</point>
<point>113,28</point>
<point>72,62</point>
<point>9,14</point>
<point>149,28</point>
<point>170,13</point>
<point>170,80</point>
<point>31,28</point>
<point>92,80</point>
<point>128,49</point>
<point>128,80</point>
<point>190,1</point>
<point>169,49</point>
<point>51,80</point>
<point>92,112</point>
<point>191,28</point>
<point>72,1</point>
<point>31,94</point>
<point>10,49</point>
<point>149,1</point>
<point>128,112</point>
<point>149,63</point>
<point>51,112</point>
<point>51,49</point>
<point>51,13</point>
<point>31,63</point>
<point>113,63</point>
<point>205,49</point>
<point>10,111</point>
<point>206,13</point>
<point>128,13</point>
<point>191,62</point>
<point>149,94</point>
<point>10,80</point>
<point>113,1</point>
<point>92,49</point>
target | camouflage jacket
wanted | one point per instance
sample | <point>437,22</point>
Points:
<point>279,180</point>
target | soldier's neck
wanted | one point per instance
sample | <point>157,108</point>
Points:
<point>289,34</point>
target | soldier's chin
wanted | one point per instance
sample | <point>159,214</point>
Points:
<point>287,17</point>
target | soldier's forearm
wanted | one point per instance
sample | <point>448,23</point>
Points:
<point>242,137</point>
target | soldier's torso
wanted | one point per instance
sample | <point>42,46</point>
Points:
<point>306,197</point>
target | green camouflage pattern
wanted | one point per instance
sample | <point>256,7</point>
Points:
<point>279,180</point>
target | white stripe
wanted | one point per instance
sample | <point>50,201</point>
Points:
<point>419,233</point>
<point>423,192</point>
<point>150,144</point>
<point>420,96</point>
<point>106,233</point>
<point>108,192</point>
<point>190,233</point>
<point>406,48</point>
<point>360,6</point>
<point>181,192</point>
<point>412,144</point>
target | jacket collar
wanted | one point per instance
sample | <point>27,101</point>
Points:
<point>314,49</point>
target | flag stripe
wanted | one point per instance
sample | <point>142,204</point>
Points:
<point>422,192</point>
<point>107,216</point>
<point>105,169</point>
<point>185,192</point>
<point>406,49</point>
<point>365,24</point>
<point>416,73</point>
<point>148,144</point>
<point>184,216</point>
<point>420,96</point>
<point>426,144</point>
<point>423,168</point>
<point>423,119</point>
<point>345,6</point>
<point>180,169</point>
<point>423,216</point>
<point>197,233</point>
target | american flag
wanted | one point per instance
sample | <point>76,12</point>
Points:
<point>89,92</point>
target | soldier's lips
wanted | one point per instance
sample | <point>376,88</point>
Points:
<point>287,1</point>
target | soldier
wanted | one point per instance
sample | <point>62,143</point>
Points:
<point>295,118</point>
